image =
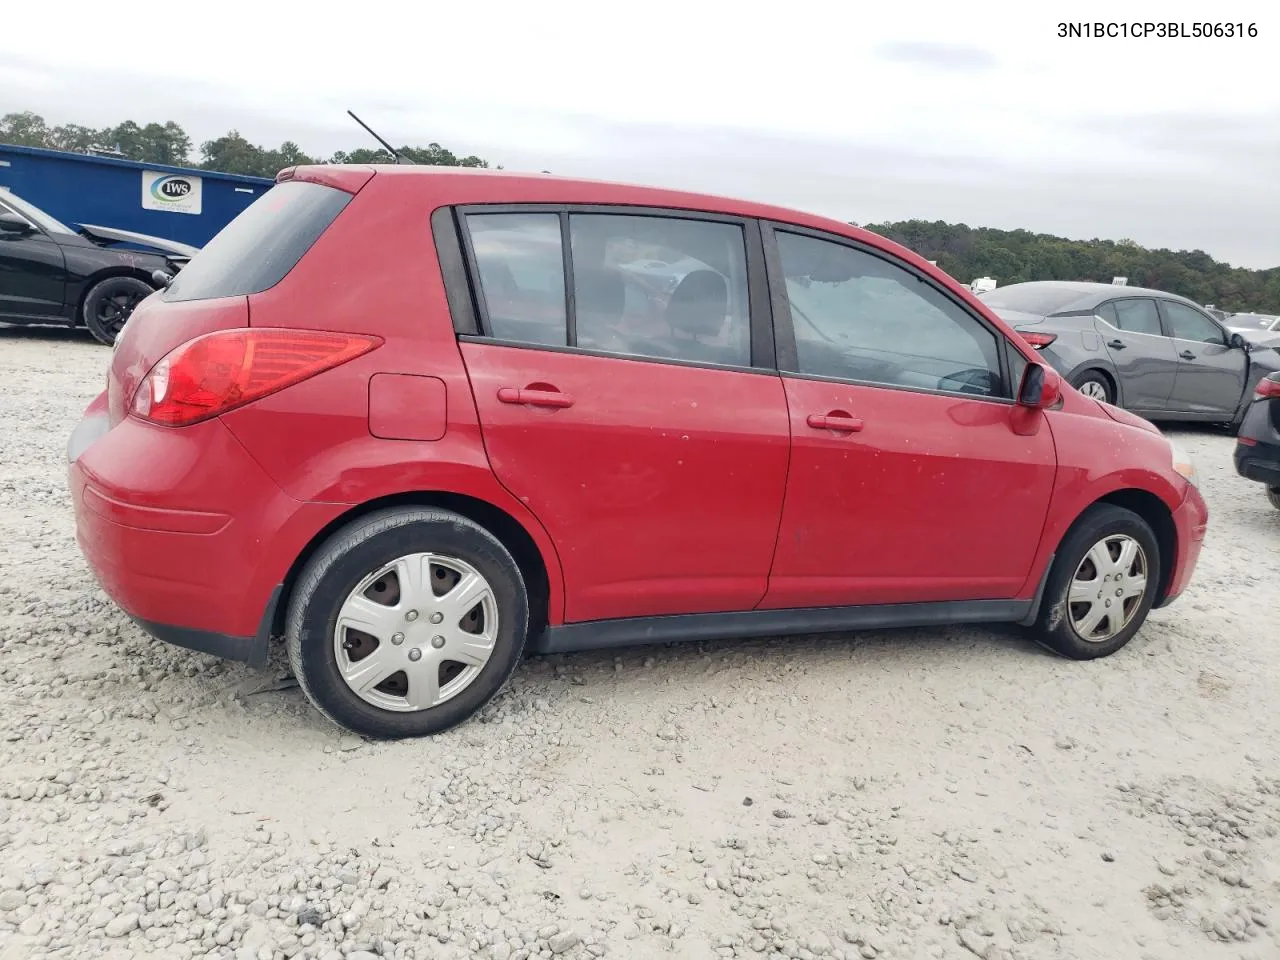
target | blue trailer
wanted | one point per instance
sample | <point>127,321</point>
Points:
<point>176,203</point>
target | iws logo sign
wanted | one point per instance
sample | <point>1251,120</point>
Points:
<point>171,189</point>
<point>171,192</point>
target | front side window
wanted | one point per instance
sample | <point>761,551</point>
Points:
<point>1188,324</point>
<point>857,316</point>
<point>1135,315</point>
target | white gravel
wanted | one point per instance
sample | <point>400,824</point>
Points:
<point>928,794</point>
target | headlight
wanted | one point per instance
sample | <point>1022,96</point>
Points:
<point>1183,463</point>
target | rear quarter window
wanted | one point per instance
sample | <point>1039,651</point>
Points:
<point>258,248</point>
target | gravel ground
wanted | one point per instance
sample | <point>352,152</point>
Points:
<point>927,794</point>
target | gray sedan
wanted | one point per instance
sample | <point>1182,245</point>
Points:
<point>1154,353</point>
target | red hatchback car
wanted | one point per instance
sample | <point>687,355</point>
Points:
<point>416,421</point>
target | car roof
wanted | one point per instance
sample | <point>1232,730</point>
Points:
<point>462,185</point>
<point>1093,291</point>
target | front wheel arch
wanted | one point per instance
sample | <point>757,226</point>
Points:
<point>1157,515</point>
<point>91,281</point>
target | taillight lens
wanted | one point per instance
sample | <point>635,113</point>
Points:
<point>1266,389</point>
<point>1038,340</point>
<point>220,371</point>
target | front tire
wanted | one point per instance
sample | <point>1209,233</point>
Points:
<point>109,304</point>
<point>1102,585</point>
<point>407,622</point>
<point>1273,494</point>
<point>1095,385</point>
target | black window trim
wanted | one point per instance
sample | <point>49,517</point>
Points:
<point>1167,326</point>
<point>466,300</point>
<point>784,333</point>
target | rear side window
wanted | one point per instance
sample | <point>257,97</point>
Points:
<point>521,266</point>
<point>1137,316</point>
<point>258,248</point>
<point>643,285</point>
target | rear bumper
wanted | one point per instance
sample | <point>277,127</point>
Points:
<point>1260,462</point>
<point>1257,453</point>
<point>1190,521</point>
<point>195,556</point>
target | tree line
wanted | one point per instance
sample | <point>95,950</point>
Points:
<point>1012,256</point>
<point>169,143</point>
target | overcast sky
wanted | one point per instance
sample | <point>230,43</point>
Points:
<point>866,112</point>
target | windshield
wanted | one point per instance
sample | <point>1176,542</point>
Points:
<point>1032,298</point>
<point>34,214</point>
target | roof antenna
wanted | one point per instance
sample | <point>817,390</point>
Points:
<point>390,149</point>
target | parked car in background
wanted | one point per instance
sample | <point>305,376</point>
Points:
<point>483,447</point>
<point>1257,455</point>
<point>1155,353</point>
<point>91,276</point>
<point>1252,322</point>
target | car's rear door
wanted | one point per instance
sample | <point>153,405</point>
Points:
<point>639,417</point>
<point>1211,374</point>
<point>914,477</point>
<point>1144,357</point>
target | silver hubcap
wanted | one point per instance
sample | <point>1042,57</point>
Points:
<point>416,632</point>
<point>1094,389</point>
<point>1107,588</point>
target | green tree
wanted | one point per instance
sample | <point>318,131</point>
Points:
<point>1012,256</point>
<point>25,129</point>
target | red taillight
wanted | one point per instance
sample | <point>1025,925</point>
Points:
<point>1246,441</point>
<point>226,369</point>
<point>1038,340</point>
<point>1266,389</point>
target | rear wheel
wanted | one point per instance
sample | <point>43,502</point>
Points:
<point>406,623</point>
<point>1102,585</point>
<point>1273,494</point>
<point>109,304</point>
<point>1095,385</point>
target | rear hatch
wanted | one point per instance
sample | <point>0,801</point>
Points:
<point>252,253</point>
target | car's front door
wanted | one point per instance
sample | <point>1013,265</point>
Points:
<point>33,274</point>
<point>1144,357</point>
<point>914,476</point>
<point>1211,374</point>
<point>629,416</point>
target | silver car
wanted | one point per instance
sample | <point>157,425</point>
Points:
<point>1154,353</point>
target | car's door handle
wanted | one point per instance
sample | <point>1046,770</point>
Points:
<point>835,420</point>
<point>1187,355</point>
<point>534,398</point>
<point>1116,344</point>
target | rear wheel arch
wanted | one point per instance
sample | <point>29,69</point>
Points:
<point>513,535</point>
<point>1094,368</point>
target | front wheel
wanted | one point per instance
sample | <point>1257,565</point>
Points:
<point>407,622</point>
<point>1102,585</point>
<point>1273,494</point>
<point>109,304</point>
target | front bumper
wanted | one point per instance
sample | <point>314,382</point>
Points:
<point>185,532</point>
<point>1190,522</point>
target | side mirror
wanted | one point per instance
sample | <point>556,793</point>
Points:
<point>1041,387</point>
<point>12,223</point>
<point>1237,341</point>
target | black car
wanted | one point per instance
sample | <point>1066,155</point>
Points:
<point>1258,442</point>
<point>91,276</point>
